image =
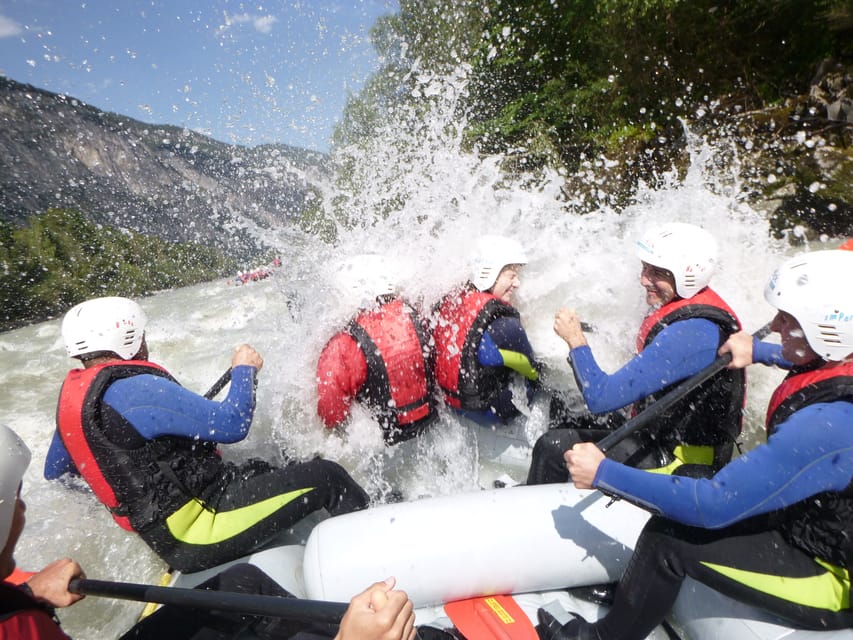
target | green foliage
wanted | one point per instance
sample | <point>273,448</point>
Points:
<point>60,259</point>
<point>586,71</point>
<point>570,77</point>
<point>313,220</point>
<point>430,35</point>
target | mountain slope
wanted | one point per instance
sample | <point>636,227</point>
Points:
<point>173,183</point>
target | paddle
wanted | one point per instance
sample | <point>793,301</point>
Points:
<point>664,403</point>
<point>246,603</point>
<point>491,618</point>
<point>224,379</point>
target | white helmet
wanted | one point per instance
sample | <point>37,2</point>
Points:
<point>104,324</point>
<point>492,254</point>
<point>688,251</point>
<point>14,459</point>
<point>814,288</point>
<point>362,278</point>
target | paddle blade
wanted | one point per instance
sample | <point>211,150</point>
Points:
<point>490,618</point>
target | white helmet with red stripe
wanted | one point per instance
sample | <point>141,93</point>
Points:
<point>104,325</point>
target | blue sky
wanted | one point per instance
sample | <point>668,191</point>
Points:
<point>241,72</point>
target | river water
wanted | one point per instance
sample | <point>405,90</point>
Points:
<point>583,261</point>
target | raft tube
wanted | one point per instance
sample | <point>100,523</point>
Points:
<point>701,612</point>
<point>511,540</point>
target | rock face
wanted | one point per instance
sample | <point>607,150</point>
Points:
<point>800,158</point>
<point>56,151</point>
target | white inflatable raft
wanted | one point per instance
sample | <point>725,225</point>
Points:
<point>531,541</point>
<point>513,540</point>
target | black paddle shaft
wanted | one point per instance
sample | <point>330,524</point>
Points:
<point>224,379</point>
<point>246,603</point>
<point>663,404</point>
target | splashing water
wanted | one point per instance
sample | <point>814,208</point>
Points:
<point>443,196</point>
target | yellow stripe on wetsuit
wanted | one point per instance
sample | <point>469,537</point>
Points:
<point>687,454</point>
<point>193,524</point>
<point>519,362</point>
<point>151,607</point>
<point>829,591</point>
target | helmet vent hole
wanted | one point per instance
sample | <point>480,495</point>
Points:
<point>829,333</point>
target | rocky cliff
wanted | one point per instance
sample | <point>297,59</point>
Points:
<point>56,151</point>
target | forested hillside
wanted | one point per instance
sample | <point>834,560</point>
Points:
<point>60,258</point>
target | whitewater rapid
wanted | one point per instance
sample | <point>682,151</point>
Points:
<point>584,262</point>
<point>450,196</point>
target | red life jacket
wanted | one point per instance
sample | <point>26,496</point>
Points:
<point>829,382</point>
<point>705,304</point>
<point>399,386</point>
<point>461,318</point>
<point>130,475</point>
<point>819,525</point>
<point>19,576</point>
<point>70,425</point>
<point>711,414</point>
<point>22,618</point>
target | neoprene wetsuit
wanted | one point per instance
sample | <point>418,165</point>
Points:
<point>154,466</point>
<point>742,532</point>
<point>479,344</point>
<point>677,352</point>
<point>157,407</point>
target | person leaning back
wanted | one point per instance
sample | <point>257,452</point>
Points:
<point>687,322</point>
<point>480,343</point>
<point>28,600</point>
<point>148,447</point>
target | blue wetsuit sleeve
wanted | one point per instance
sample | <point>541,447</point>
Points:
<point>155,406</point>
<point>811,452</point>
<point>58,461</point>
<point>488,353</point>
<point>676,353</point>
<point>769,353</point>
<point>505,344</point>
